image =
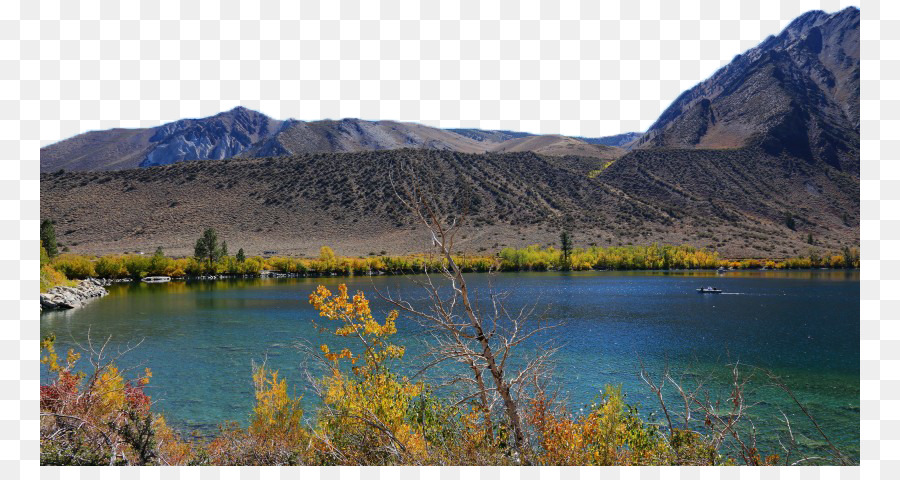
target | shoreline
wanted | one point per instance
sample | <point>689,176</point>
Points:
<point>194,278</point>
<point>66,298</point>
<point>62,297</point>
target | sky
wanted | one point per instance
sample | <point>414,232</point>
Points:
<point>576,68</point>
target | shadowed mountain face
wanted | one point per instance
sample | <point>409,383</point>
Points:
<point>221,136</point>
<point>796,93</point>
<point>217,137</point>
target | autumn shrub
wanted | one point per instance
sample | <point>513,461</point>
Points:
<point>45,257</point>
<point>634,257</point>
<point>364,417</point>
<point>194,268</point>
<point>611,433</point>
<point>74,266</point>
<point>111,266</point>
<point>179,267</point>
<point>137,266</point>
<point>275,436</point>
<point>99,417</point>
<point>160,265</point>
<point>50,277</point>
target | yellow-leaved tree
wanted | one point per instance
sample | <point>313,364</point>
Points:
<point>365,411</point>
<point>276,435</point>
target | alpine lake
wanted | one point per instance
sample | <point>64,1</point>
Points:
<point>200,339</point>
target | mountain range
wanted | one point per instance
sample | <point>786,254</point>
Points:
<point>245,133</point>
<point>774,133</point>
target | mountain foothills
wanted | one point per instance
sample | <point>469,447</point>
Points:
<point>759,160</point>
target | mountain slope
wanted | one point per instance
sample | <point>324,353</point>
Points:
<point>620,140</point>
<point>355,135</point>
<point>558,145</point>
<point>488,136</point>
<point>245,133</point>
<point>296,204</point>
<point>797,92</point>
<point>220,136</point>
<point>113,149</point>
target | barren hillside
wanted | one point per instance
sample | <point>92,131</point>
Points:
<point>296,204</point>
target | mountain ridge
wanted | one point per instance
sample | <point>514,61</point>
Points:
<point>245,133</point>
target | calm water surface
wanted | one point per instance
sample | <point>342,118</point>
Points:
<point>199,338</point>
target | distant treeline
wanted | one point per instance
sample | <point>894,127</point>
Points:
<point>533,258</point>
<point>658,257</point>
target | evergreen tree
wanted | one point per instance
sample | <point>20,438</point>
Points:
<point>240,255</point>
<point>565,244</point>
<point>850,257</point>
<point>224,249</point>
<point>48,238</point>
<point>207,248</point>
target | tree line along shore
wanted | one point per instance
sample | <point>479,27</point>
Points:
<point>212,259</point>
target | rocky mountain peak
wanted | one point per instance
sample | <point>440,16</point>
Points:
<point>796,92</point>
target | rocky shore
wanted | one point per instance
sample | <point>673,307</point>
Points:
<point>58,298</point>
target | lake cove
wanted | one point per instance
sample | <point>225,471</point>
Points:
<point>199,338</point>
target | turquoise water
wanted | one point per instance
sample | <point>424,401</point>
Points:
<point>199,338</point>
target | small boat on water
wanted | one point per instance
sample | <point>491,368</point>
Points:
<point>156,279</point>
<point>709,290</point>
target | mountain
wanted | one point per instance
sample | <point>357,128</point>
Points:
<point>772,135</point>
<point>558,145</point>
<point>221,136</point>
<point>499,136</point>
<point>489,136</point>
<point>355,135</point>
<point>620,140</point>
<point>245,133</point>
<point>217,137</point>
<point>797,92</point>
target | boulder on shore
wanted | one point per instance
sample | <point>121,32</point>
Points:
<point>58,298</point>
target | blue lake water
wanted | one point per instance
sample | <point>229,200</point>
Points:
<point>199,338</point>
